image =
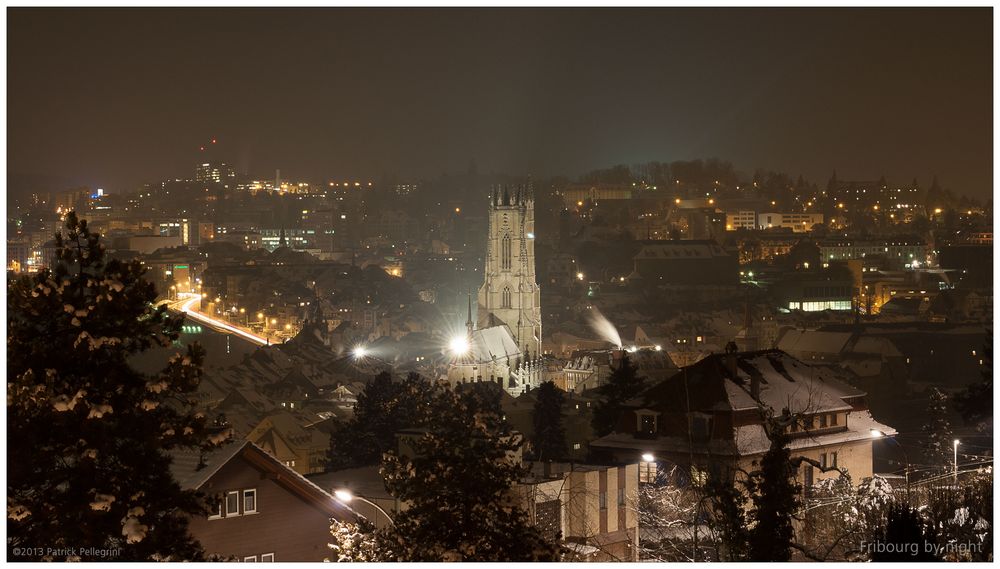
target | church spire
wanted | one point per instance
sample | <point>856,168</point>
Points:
<point>468,320</point>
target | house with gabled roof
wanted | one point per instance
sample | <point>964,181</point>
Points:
<point>708,419</point>
<point>294,444</point>
<point>259,509</point>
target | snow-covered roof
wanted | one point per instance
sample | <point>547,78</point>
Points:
<point>751,439</point>
<point>681,249</point>
<point>813,341</point>
<point>784,382</point>
<point>192,468</point>
<point>491,344</point>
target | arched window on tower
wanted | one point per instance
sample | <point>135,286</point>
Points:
<point>505,297</point>
<point>505,252</point>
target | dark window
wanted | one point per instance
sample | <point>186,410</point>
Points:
<point>249,501</point>
<point>621,496</point>
<point>822,421</point>
<point>648,424</point>
<point>233,504</point>
<point>604,500</point>
<point>833,419</point>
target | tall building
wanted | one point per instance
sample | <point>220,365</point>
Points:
<point>217,172</point>
<point>509,294</point>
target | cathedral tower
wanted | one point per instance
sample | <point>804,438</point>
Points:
<point>509,294</point>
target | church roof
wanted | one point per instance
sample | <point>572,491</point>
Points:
<point>490,344</point>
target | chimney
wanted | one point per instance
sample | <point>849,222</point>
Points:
<point>731,350</point>
<point>547,469</point>
<point>755,387</point>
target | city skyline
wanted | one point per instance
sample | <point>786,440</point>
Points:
<point>369,92</point>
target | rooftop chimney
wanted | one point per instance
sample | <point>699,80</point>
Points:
<point>731,350</point>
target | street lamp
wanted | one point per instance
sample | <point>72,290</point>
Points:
<point>880,434</point>
<point>345,496</point>
<point>955,471</point>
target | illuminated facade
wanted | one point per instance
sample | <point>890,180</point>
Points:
<point>509,294</point>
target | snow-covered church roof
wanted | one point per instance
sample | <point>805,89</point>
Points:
<point>491,344</point>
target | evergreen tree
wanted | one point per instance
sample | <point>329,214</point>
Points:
<point>550,436</point>
<point>623,384</point>
<point>775,499</point>
<point>937,431</point>
<point>976,402</point>
<point>87,433</point>
<point>763,531</point>
<point>906,537</point>
<point>382,409</point>
<point>456,479</point>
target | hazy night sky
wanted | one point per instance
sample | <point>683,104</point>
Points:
<point>117,97</point>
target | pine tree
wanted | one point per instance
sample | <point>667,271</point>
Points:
<point>937,432</point>
<point>907,536</point>
<point>623,384</point>
<point>88,434</point>
<point>382,409</point>
<point>550,435</point>
<point>457,484</point>
<point>775,499</point>
<point>760,530</point>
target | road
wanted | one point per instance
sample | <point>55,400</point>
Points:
<point>188,305</point>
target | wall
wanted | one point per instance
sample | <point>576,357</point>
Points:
<point>284,523</point>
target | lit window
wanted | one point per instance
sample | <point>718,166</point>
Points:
<point>576,446</point>
<point>250,501</point>
<point>647,472</point>
<point>233,504</point>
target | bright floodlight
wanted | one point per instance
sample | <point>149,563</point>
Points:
<point>359,352</point>
<point>459,345</point>
<point>877,433</point>
<point>343,495</point>
<point>648,457</point>
<point>658,347</point>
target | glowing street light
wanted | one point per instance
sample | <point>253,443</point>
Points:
<point>346,496</point>
<point>459,346</point>
<point>358,353</point>
<point>648,457</point>
<point>579,276</point>
<point>880,434</point>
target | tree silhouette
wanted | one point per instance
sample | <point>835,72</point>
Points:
<point>89,432</point>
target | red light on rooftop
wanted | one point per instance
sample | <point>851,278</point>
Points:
<point>213,141</point>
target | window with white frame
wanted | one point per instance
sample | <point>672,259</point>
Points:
<point>250,501</point>
<point>233,504</point>
<point>250,559</point>
<point>216,507</point>
<point>267,558</point>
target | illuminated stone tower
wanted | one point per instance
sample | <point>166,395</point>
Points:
<point>509,294</point>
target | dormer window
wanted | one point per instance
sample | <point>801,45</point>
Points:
<point>646,422</point>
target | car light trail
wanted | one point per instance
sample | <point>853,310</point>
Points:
<point>188,307</point>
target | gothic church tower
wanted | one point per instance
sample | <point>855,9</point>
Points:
<point>509,294</point>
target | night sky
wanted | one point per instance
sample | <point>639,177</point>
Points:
<point>114,98</point>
